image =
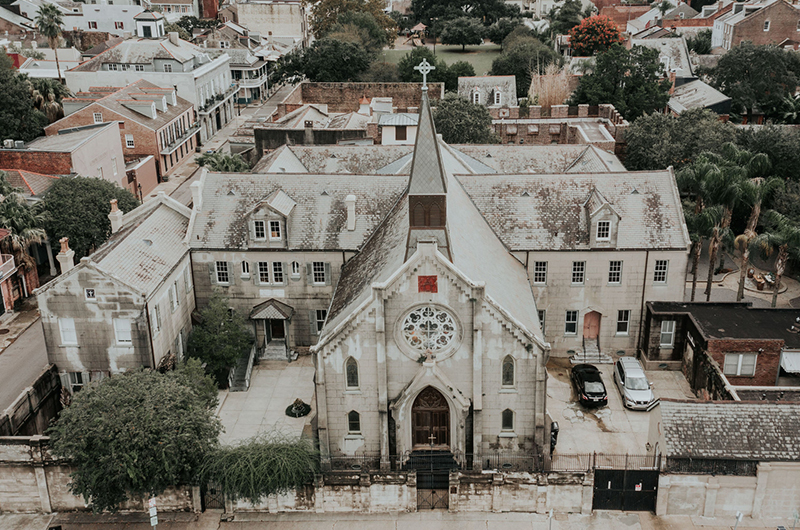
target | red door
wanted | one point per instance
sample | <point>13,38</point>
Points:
<point>591,325</point>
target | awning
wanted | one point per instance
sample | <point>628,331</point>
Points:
<point>790,361</point>
<point>271,310</point>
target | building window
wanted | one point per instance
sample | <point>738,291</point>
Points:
<point>623,321</point>
<point>260,229</point>
<point>138,68</point>
<point>221,268</point>
<point>542,316</point>
<point>277,272</point>
<point>660,275</point>
<point>122,331</point>
<point>318,269</point>
<point>401,133</point>
<point>766,25</point>
<point>498,97</point>
<point>571,325</point>
<point>476,97</point>
<point>274,229</point>
<point>119,25</point>
<point>351,372</point>
<point>67,328</point>
<point>246,268</point>
<point>92,24</point>
<point>224,44</point>
<point>98,117</point>
<point>667,339</point>
<point>578,269</point>
<point>614,271</point>
<point>175,302</point>
<point>168,68</point>
<point>295,269</point>
<point>263,272</point>
<point>76,381</point>
<point>603,230</point>
<point>508,371</point>
<point>507,420</point>
<point>540,272</point>
<point>114,165</point>
<point>187,280</point>
<point>112,67</point>
<point>740,364</point>
<point>90,294</point>
<point>129,141</point>
<point>322,314</point>
<point>353,422</point>
<point>155,320</point>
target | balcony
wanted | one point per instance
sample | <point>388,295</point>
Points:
<point>252,82</point>
<point>182,138</point>
<point>212,103</point>
<point>7,266</point>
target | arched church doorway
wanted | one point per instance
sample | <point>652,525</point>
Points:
<point>430,416</point>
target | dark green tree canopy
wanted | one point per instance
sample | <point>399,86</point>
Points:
<point>631,80</point>
<point>328,60</point>
<point>380,72</point>
<point>360,27</point>
<point>487,11</point>
<point>325,14</point>
<point>413,58</point>
<point>19,119</point>
<point>462,31</point>
<point>565,17</point>
<point>78,208</point>
<point>700,43</point>
<point>189,23</point>
<point>520,58</point>
<point>134,434</point>
<point>454,71</point>
<point>459,121</point>
<point>780,144</point>
<point>501,29</point>
<point>223,162</point>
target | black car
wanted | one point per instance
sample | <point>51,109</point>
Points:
<point>589,385</point>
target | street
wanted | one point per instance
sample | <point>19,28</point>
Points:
<point>21,363</point>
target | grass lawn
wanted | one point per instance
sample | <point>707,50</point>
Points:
<point>480,57</point>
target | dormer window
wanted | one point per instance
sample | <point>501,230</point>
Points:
<point>476,97</point>
<point>498,97</point>
<point>275,230</point>
<point>604,230</point>
<point>260,230</point>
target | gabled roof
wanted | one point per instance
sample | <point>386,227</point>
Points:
<point>68,140</point>
<point>33,184</point>
<point>695,94</point>
<point>272,309</point>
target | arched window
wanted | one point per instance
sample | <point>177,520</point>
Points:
<point>508,371</point>
<point>435,215</point>
<point>419,215</point>
<point>353,422</point>
<point>351,373</point>
<point>508,420</point>
<point>295,269</point>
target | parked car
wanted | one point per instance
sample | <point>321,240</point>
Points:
<point>635,389</point>
<point>589,385</point>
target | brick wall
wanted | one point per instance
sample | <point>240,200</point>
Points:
<point>783,19</point>
<point>767,362</point>
<point>47,163</point>
<point>344,97</point>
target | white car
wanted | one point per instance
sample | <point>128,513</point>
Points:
<point>635,389</point>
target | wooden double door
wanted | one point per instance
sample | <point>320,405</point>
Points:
<point>430,416</point>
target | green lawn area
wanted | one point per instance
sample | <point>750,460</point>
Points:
<point>480,57</point>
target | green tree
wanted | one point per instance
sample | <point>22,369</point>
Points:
<point>326,61</point>
<point>462,31</point>
<point>24,221</point>
<point>380,72</point>
<point>521,59</point>
<point>223,162</point>
<point>787,201</point>
<point>220,339</point>
<point>657,141</point>
<point>454,71</point>
<point>592,35</point>
<point>188,23</point>
<point>780,144</point>
<point>180,30</point>
<point>19,119</point>
<point>487,11</point>
<point>365,28</point>
<point>78,208</point>
<point>414,58</point>
<point>47,95</point>
<point>631,80</point>
<point>460,121</point>
<point>757,77</point>
<point>783,236</point>
<point>700,225</point>
<point>133,434</point>
<point>325,14</point>
<point>49,21</point>
<point>501,29</point>
<point>565,17</point>
<point>700,43</point>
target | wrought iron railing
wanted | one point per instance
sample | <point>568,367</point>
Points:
<point>702,466</point>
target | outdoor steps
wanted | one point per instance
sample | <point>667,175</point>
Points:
<point>240,374</point>
<point>591,355</point>
<point>427,460</point>
<point>275,351</point>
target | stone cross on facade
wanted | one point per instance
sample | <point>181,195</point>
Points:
<point>424,68</point>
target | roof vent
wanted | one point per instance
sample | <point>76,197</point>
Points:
<point>488,155</point>
<point>148,242</point>
<point>526,194</point>
<point>333,155</point>
<point>231,193</point>
<point>324,193</point>
<point>635,192</point>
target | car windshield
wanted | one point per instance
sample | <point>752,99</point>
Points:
<point>594,387</point>
<point>637,383</point>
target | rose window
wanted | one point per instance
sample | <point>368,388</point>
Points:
<point>428,328</point>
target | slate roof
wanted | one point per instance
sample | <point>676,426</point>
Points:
<point>31,184</point>
<point>695,94</point>
<point>674,49</point>
<point>748,431</point>
<point>142,51</point>
<point>427,173</point>
<point>68,140</point>
<point>358,160</point>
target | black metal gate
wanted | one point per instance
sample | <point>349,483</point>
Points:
<point>212,498</point>
<point>625,489</point>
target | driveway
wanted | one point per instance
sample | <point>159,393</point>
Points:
<point>612,429</point>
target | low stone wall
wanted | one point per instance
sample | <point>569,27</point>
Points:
<point>32,411</point>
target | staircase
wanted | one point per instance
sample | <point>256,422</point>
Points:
<point>275,350</point>
<point>240,383</point>
<point>591,354</point>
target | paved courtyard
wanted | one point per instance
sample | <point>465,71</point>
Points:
<point>274,386</point>
<point>612,429</point>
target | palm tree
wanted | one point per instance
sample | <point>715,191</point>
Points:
<point>47,95</point>
<point>223,163</point>
<point>700,225</point>
<point>25,222</point>
<point>791,110</point>
<point>781,234</point>
<point>49,22</point>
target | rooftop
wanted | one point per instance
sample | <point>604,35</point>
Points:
<point>68,140</point>
<point>695,94</point>
<point>31,184</point>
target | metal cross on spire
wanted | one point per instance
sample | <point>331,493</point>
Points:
<point>424,68</point>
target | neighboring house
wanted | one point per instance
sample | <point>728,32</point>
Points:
<point>114,19</point>
<point>128,304</point>
<point>12,24</point>
<point>760,22</point>
<point>697,94</point>
<point>199,77</point>
<point>726,459</point>
<point>17,280</point>
<point>33,185</point>
<point>398,129</point>
<point>489,91</point>
<point>37,68</point>
<point>746,345</point>
<point>672,53</point>
<point>620,15</point>
<point>153,120</point>
<point>171,9</point>
<point>279,18</point>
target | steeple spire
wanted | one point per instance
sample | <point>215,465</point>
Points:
<point>427,171</point>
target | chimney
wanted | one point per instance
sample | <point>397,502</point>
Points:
<point>364,107</point>
<point>350,201</point>
<point>197,194</point>
<point>173,37</point>
<point>66,256</point>
<point>115,217</point>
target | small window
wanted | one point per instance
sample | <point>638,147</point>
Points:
<point>498,97</point>
<point>508,371</point>
<point>743,364</point>
<point>322,314</point>
<point>318,268</point>
<point>295,269</point>
<point>76,381</point>
<point>667,339</point>
<point>623,321</point>
<point>138,68</point>
<point>401,133</point>
<point>508,420</point>
<point>122,331</point>
<point>260,229</point>
<point>614,271</point>
<point>578,270</point>
<point>155,320</point>
<point>168,68</point>
<point>353,422</point>
<point>476,97</point>
<point>245,268</point>
<point>92,24</point>
<point>90,294</point>
<point>660,274</point>
<point>129,141</point>
<point>119,25</point>
<point>277,272</point>
<point>274,229</point>
<point>221,268</point>
<point>67,328</point>
<point>571,325</point>
<point>542,316</point>
<point>351,373</point>
<point>263,272</point>
<point>176,301</point>
<point>112,67</point>
<point>603,230</point>
<point>540,272</point>
<point>766,25</point>
<point>187,280</point>
<point>98,117</point>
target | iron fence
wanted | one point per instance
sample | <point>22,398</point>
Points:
<point>701,466</point>
<point>361,462</point>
